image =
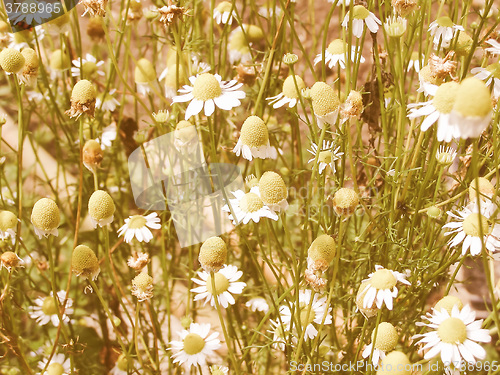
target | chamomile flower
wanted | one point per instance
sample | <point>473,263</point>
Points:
<point>491,75</point>
<point>468,226</point>
<point>123,365</point>
<point>438,110</point>
<point>58,364</point>
<point>381,287</point>
<point>248,206</point>
<point>327,155</point>
<point>495,47</point>
<point>386,340</point>
<point>226,284</point>
<point>310,312</point>
<point>290,93</point>
<point>325,103</point>
<point>279,332</point>
<point>138,226</point>
<point>45,218</point>
<point>107,101</point>
<point>416,62</point>
<point>219,370</point>
<point>429,83</point>
<point>195,345</point>
<point>360,17</point>
<point>258,304</point>
<point>207,91</point>
<point>337,53</point>
<point>144,76</point>
<point>273,191</point>
<point>445,155</point>
<point>108,136</point>
<point>238,47</point>
<point>10,260</point>
<point>223,14</point>
<point>45,309</point>
<point>443,30</point>
<point>8,226</point>
<point>142,286</point>
<point>455,336</point>
<point>254,140</point>
<point>88,66</point>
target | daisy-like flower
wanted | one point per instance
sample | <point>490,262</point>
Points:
<point>195,345</point>
<point>248,206</point>
<point>455,336</point>
<point>495,47</point>
<point>223,13</point>
<point>386,340</point>
<point>337,53</point>
<point>108,136</point>
<point>123,365</point>
<point>142,286</point>
<point>258,304</point>
<point>88,67</point>
<point>45,309</point>
<point>107,102</point>
<point>491,75</point>
<point>219,370</point>
<point>290,93</point>
<point>429,82</point>
<point>309,311</point>
<point>8,226</point>
<point>254,140</point>
<point>438,110</point>
<point>226,284</point>
<point>279,332</point>
<point>445,155</point>
<point>58,364</point>
<point>416,62</point>
<point>238,47</point>
<point>207,91</point>
<point>45,218</point>
<point>360,17</point>
<point>468,226</point>
<point>443,30</point>
<point>327,155</point>
<point>138,226</point>
<point>381,287</point>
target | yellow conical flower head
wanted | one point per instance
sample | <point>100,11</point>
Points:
<point>445,97</point>
<point>224,6</point>
<point>359,12</point>
<point>370,311</point>
<point>101,207</point>
<point>464,44</point>
<point>447,303</point>
<point>59,60</point>
<point>324,99</point>
<point>387,337</point>
<point>185,131</point>
<point>83,93</point>
<point>85,263</point>
<point>395,363</point>
<point>337,47</point>
<point>353,105</point>
<point>11,60</point>
<point>144,71</point>
<point>45,215</point>
<point>345,201</point>
<point>473,98</point>
<point>289,88</point>
<point>322,249</point>
<point>7,221</point>
<point>213,254</point>
<point>30,61</point>
<point>272,188</point>
<point>254,33</point>
<point>425,74</point>
<point>92,154</point>
<point>238,42</point>
<point>486,189</point>
<point>254,132</point>
<point>55,368</point>
<point>142,286</point>
<point>206,87</point>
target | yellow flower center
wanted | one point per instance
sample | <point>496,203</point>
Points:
<point>444,158</point>
<point>475,224</point>
<point>452,331</point>
<point>136,222</point>
<point>445,97</point>
<point>473,98</point>
<point>254,132</point>
<point>383,279</point>
<point>193,344</point>
<point>444,21</point>
<point>494,69</point>
<point>206,87</point>
<point>251,202</point>
<point>89,68</point>
<point>55,369</point>
<point>337,47</point>
<point>221,284</point>
<point>325,157</point>
<point>49,306</point>
<point>289,88</point>
<point>360,12</point>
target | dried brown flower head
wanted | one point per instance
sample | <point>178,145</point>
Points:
<point>405,7</point>
<point>169,13</point>
<point>94,7</point>
<point>443,67</point>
